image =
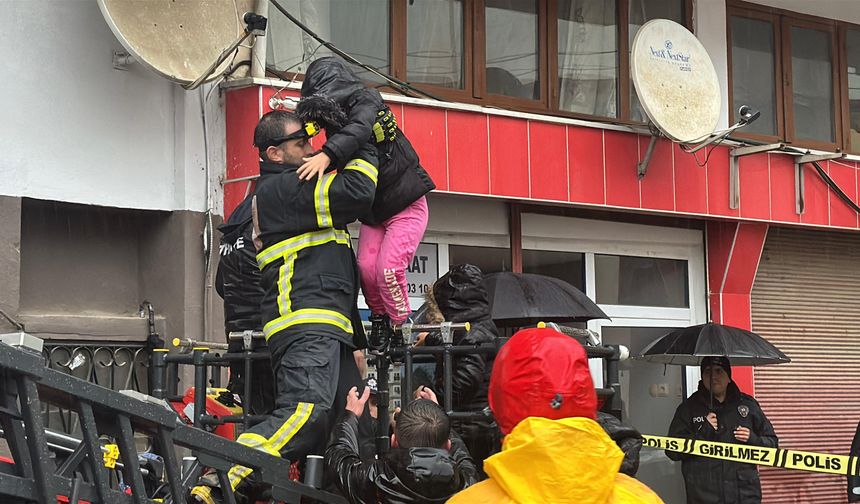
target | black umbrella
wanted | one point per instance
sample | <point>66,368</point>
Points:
<point>687,347</point>
<point>522,299</point>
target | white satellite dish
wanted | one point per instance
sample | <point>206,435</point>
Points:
<point>678,87</point>
<point>676,81</point>
<point>180,39</point>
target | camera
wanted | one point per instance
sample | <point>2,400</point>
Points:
<point>747,114</point>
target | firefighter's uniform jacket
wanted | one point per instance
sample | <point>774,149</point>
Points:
<point>308,267</point>
<point>309,314</point>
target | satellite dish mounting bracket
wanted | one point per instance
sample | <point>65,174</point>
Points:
<point>734,168</point>
<point>799,161</point>
<point>642,166</point>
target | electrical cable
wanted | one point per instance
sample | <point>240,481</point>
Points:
<point>12,321</point>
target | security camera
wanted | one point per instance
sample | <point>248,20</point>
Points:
<point>747,114</point>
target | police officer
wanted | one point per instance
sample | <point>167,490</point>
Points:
<point>310,289</point>
<point>720,412</point>
<point>238,283</point>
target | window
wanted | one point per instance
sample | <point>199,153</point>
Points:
<point>851,75</point>
<point>641,281</point>
<point>434,43</point>
<point>361,28</point>
<point>754,63</point>
<point>642,11</point>
<point>588,57</point>
<point>567,266</point>
<point>512,48</point>
<point>790,67</point>
<point>489,259</point>
<point>564,57</point>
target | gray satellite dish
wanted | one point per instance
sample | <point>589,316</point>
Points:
<point>678,87</point>
<point>180,40</point>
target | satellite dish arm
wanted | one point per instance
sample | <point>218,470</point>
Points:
<point>403,87</point>
<point>255,25</point>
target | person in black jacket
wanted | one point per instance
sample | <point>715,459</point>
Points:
<point>309,279</point>
<point>854,481</point>
<point>237,281</point>
<point>720,412</point>
<point>428,463</point>
<point>459,296</point>
<point>391,232</point>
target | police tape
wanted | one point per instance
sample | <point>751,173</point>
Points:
<point>828,463</point>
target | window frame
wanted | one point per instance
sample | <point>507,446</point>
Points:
<point>783,20</point>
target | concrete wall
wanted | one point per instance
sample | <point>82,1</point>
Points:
<point>78,130</point>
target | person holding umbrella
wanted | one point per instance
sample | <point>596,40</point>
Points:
<point>720,412</point>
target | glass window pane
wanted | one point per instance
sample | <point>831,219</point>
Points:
<point>434,42</point>
<point>489,259</point>
<point>512,48</point>
<point>642,11</point>
<point>641,281</point>
<point>567,266</point>
<point>812,82</point>
<point>753,73</point>
<point>360,28</point>
<point>853,77</point>
<point>588,57</point>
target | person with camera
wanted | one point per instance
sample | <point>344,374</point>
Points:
<point>428,462</point>
<point>720,412</point>
<point>544,401</point>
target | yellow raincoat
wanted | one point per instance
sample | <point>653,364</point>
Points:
<point>544,461</point>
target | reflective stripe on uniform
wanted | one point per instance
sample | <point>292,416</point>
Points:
<point>364,167</point>
<point>308,316</point>
<point>273,444</point>
<point>302,241</point>
<point>321,201</point>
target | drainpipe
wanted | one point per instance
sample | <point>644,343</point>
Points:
<point>258,52</point>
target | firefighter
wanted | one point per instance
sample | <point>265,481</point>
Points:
<point>310,291</point>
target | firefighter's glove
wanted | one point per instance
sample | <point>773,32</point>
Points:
<point>385,127</point>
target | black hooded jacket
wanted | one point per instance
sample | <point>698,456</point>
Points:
<point>715,481</point>
<point>238,278</point>
<point>461,297</point>
<point>415,475</point>
<point>402,180</point>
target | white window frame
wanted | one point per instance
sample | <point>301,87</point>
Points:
<point>591,237</point>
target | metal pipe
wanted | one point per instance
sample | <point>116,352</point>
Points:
<point>406,383</point>
<point>199,384</point>
<point>159,368</point>
<point>448,373</point>
<point>258,51</point>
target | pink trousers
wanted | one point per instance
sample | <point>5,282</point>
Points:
<point>384,253</point>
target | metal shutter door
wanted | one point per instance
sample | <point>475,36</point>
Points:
<point>806,300</point>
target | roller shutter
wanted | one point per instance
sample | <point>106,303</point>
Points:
<point>806,300</point>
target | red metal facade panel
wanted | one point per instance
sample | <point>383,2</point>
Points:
<point>469,158</point>
<point>548,159</point>
<point>691,183</point>
<point>658,186</point>
<point>427,131</point>
<point>755,187</point>
<point>585,158</point>
<point>783,205</point>
<point>242,110</point>
<point>622,154</point>
<point>817,197</point>
<point>509,157</point>
<point>718,183</point>
<point>845,175</point>
<point>482,154</point>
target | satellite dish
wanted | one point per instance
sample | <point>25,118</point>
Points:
<point>178,39</point>
<point>675,81</point>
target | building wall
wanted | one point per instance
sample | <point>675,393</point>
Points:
<point>78,130</point>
